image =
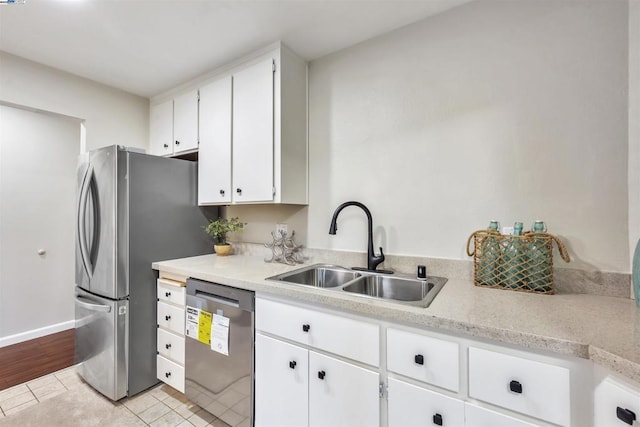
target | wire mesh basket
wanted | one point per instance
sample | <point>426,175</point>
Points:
<point>520,263</point>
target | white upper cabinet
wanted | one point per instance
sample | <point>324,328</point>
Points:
<point>214,164</point>
<point>161,128</point>
<point>248,124</point>
<point>173,125</point>
<point>253,133</point>
<point>185,122</point>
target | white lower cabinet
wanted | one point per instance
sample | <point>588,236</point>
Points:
<point>410,405</point>
<point>342,394</point>
<point>170,334</point>
<point>616,404</point>
<point>281,383</point>
<point>481,417</point>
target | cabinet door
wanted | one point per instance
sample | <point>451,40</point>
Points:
<point>253,133</point>
<point>342,394</point>
<point>615,404</point>
<point>214,153</point>
<point>281,381</point>
<point>185,122</point>
<point>480,417</point>
<point>161,129</point>
<point>414,406</point>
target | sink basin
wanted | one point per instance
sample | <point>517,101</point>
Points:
<point>398,288</point>
<point>319,275</point>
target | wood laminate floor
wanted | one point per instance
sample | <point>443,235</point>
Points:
<point>32,359</point>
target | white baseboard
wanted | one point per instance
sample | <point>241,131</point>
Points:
<point>36,333</point>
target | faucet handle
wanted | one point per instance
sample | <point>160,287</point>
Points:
<point>381,254</point>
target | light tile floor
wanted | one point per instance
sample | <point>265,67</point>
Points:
<point>160,406</point>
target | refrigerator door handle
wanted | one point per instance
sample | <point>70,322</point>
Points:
<point>82,226</point>
<point>90,305</point>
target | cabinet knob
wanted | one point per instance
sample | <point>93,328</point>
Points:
<point>625,415</point>
<point>165,145</point>
<point>321,374</point>
<point>515,386</point>
<point>167,374</point>
<point>419,359</point>
<point>292,364</point>
<point>239,190</point>
<point>167,346</point>
<point>167,318</point>
<point>177,142</point>
<point>167,294</point>
<point>222,192</point>
<point>306,327</point>
<point>437,419</point>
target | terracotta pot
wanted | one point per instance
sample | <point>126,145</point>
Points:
<point>222,250</point>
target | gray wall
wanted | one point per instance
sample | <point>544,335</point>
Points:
<point>492,110</point>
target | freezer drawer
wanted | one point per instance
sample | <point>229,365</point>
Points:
<point>101,337</point>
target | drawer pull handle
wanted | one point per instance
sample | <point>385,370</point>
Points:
<point>222,192</point>
<point>419,359</point>
<point>437,419</point>
<point>239,191</point>
<point>165,145</point>
<point>167,318</point>
<point>515,387</point>
<point>292,364</point>
<point>167,294</point>
<point>321,374</point>
<point>167,346</point>
<point>177,142</point>
<point>167,374</point>
<point>625,415</point>
<point>306,327</point>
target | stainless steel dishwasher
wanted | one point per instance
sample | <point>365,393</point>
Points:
<point>219,339</point>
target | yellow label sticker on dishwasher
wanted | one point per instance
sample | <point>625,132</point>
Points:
<point>204,327</point>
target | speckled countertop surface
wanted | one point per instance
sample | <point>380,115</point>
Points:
<point>603,329</point>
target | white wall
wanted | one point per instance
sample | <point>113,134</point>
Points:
<point>493,110</point>
<point>111,116</point>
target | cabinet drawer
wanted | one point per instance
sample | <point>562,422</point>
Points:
<point>423,358</point>
<point>171,291</point>
<point>171,317</point>
<point>414,406</point>
<point>522,385</point>
<point>171,346</point>
<point>480,417</point>
<point>614,404</point>
<point>171,373</point>
<point>350,338</point>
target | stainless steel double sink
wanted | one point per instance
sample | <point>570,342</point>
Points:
<point>399,288</point>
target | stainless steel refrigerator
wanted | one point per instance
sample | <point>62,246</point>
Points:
<point>132,209</point>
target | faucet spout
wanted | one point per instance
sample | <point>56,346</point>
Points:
<point>372,259</point>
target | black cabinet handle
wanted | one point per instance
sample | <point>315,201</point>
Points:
<point>321,374</point>
<point>167,374</point>
<point>239,190</point>
<point>306,327</point>
<point>419,359</point>
<point>437,419</point>
<point>166,145</point>
<point>222,192</point>
<point>167,346</point>
<point>625,415</point>
<point>292,364</point>
<point>515,386</point>
<point>177,142</point>
<point>167,294</point>
<point>167,318</point>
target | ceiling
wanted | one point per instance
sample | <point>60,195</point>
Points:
<point>149,46</point>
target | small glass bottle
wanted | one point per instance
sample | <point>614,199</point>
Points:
<point>488,273</point>
<point>539,273</point>
<point>514,259</point>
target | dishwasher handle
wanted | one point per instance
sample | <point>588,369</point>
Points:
<point>222,294</point>
<point>218,298</point>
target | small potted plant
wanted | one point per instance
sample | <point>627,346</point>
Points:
<point>218,229</point>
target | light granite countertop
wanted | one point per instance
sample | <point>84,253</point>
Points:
<point>603,329</point>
